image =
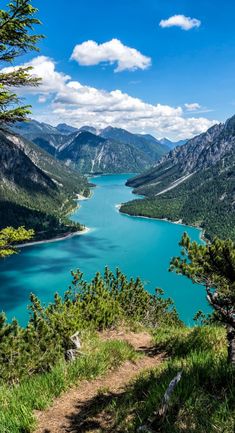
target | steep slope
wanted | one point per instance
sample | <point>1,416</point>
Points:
<point>35,190</point>
<point>90,153</point>
<point>146,143</point>
<point>194,183</point>
<point>45,136</point>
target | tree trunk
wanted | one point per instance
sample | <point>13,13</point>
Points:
<point>231,345</point>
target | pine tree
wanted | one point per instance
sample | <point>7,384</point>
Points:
<point>212,265</point>
<point>10,236</point>
<point>16,38</point>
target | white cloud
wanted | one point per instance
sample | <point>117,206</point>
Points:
<point>185,23</point>
<point>77,104</point>
<point>194,106</point>
<point>90,53</point>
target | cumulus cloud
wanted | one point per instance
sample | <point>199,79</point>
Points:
<point>194,106</point>
<point>90,53</point>
<point>185,23</point>
<point>77,104</point>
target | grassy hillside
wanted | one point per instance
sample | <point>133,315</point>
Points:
<point>204,399</point>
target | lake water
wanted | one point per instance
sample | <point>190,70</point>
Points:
<point>138,246</point>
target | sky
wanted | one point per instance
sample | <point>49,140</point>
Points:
<point>164,67</point>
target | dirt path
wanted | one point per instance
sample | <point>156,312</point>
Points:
<point>76,410</point>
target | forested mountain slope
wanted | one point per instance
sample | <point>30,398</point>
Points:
<point>146,143</point>
<point>90,153</point>
<point>35,190</point>
<point>194,183</point>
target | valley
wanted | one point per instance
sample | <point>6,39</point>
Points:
<point>140,247</point>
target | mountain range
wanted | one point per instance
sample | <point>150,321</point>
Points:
<point>193,183</point>
<point>88,150</point>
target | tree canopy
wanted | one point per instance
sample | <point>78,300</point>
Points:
<point>212,265</point>
<point>16,38</point>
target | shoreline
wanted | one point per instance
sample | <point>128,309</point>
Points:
<point>56,239</point>
<point>179,222</point>
<point>79,197</point>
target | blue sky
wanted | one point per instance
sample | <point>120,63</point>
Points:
<point>194,66</point>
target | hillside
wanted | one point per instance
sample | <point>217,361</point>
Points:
<point>90,153</point>
<point>111,150</point>
<point>35,190</point>
<point>194,183</point>
<point>146,143</point>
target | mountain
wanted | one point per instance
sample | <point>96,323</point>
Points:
<point>194,183</point>
<point>90,153</point>
<point>63,128</point>
<point>171,144</point>
<point>146,143</point>
<point>45,136</point>
<point>36,190</point>
<point>89,129</point>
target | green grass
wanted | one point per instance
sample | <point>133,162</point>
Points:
<point>17,403</point>
<point>204,399</point>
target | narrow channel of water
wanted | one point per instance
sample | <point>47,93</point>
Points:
<point>138,246</point>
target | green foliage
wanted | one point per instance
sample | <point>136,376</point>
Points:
<point>10,236</point>
<point>213,265</point>
<point>202,402</point>
<point>18,403</point>
<point>105,302</point>
<point>16,37</point>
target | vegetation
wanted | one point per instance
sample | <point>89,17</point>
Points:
<point>41,196</point>
<point>193,183</point>
<point>205,200</point>
<point>33,367</point>
<point>212,265</point>
<point>35,190</point>
<point>16,37</point>
<point>202,402</point>
<point>105,302</point>
<point>10,236</point>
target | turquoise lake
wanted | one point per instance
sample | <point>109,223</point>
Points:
<point>138,246</point>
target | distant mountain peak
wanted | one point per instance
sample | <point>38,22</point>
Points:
<point>63,128</point>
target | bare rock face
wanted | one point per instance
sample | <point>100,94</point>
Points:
<point>200,153</point>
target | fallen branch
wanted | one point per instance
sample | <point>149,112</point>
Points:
<point>165,402</point>
<point>71,354</point>
<point>160,415</point>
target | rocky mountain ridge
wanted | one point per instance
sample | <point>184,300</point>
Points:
<point>109,150</point>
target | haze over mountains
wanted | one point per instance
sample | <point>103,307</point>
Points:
<point>109,150</point>
<point>194,183</point>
